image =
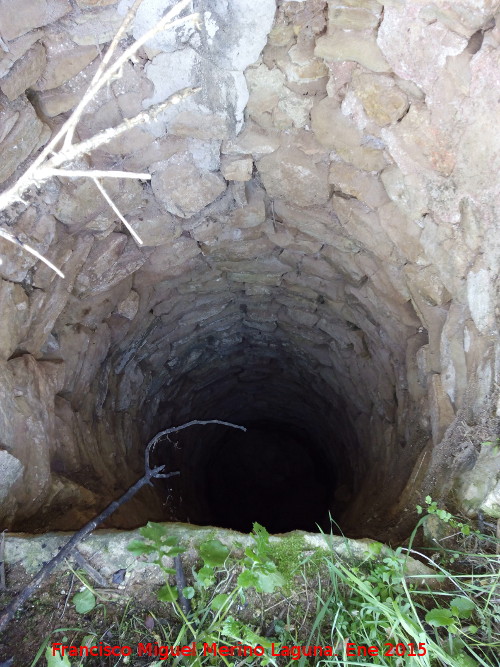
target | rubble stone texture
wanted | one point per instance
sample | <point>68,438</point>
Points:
<point>321,243</point>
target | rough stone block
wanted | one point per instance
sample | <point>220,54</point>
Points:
<point>359,184</point>
<point>14,309</point>
<point>332,128</point>
<point>129,306</point>
<point>405,192</point>
<point>65,59</point>
<point>91,28</point>
<point>253,140</point>
<point>479,488</point>
<point>291,175</point>
<point>429,145</point>
<point>38,232</point>
<point>24,73</point>
<point>266,87</point>
<point>26,15</point>
<point>10,471</point>
<point>349,45</point>
<point>17,49</point>
<point>382,100</point>
<point>199,125</point>
<point>354,16</point>
<point>363,226</point>
<point>480,297</point>
<point>402,230</point>
<point>237,168</point>
<point>22,132</point>
<point>408,56</point>
<point>110,261</point>
<point>185,189</point>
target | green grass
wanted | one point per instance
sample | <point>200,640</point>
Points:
<point>371,612</point>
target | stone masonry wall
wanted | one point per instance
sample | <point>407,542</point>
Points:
<point>320,240</point>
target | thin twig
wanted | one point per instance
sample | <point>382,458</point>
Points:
<point>174,429</point>
<point>91,571</point>
<point>114,207</point>
<point>73,121</point>
<point>45,173</point>
<point>150,473</point>
<point>77,150</point>
<point>13,239</point>
<point>69,593</point>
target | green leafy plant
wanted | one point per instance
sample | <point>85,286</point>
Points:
<point>84,601</point>
<point>259,570</point>
<point>211,620</point>
<point>447,517</point>
<point>56,660</point>
<point>338,601</point>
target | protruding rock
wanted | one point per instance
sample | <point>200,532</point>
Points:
<point>185,189</point>
<point>382,100</point>
<point>359,184</point>
<point>331,128</point>
<point>26,15</point>
<point>355,46</point>
<point>237,168</point>
<point>65,59</point>
<point>128,307</point>
<point>22,132</point>
<point>24,73</point>
<point>291,175</point>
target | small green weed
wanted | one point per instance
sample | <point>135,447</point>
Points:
<point>274,597</point>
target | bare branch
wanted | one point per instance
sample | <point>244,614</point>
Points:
<point>29,177</point>
<point>174,429</point>
<point>107,57</point>
<point>116,210</point>
<point>8,612</point>
<point>84,147</point>
<point>13,239</point>
<point>45,173</point>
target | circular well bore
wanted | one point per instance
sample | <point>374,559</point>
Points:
<point>272,474</point>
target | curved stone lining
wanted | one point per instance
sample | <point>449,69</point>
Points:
<point>329,264</point>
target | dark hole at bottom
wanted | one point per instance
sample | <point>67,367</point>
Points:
<point>273,474</point>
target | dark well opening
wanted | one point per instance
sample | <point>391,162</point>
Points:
<point>274,474</point>
<point>295,467</point>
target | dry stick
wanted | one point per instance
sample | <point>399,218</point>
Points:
<point>181,585</point>
<point>107,57</point>
<point>174,429</point>
<point>76,150</point>
<point>29,177</point>
<point>49,170</point>
<point>91,571</point>
<point>117,212</point>
<point>13,239</point>
<point>151,473</point>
